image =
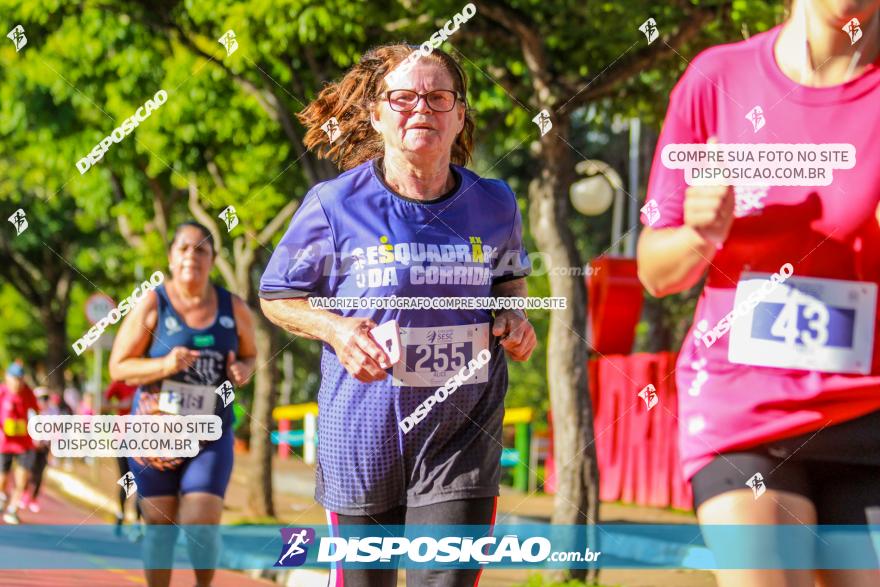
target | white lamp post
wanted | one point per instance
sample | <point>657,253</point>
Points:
<point>594,194</point>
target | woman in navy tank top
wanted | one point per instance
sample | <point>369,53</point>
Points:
<point>179,344</point>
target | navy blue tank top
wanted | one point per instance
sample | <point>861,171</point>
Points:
<point>213,343</point>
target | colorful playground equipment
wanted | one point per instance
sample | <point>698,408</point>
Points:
<point>520,457</point>
<point>306,437</point>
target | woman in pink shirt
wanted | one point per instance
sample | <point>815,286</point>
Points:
<point>779,377</point>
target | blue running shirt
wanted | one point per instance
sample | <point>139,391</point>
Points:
<point>353,236</point>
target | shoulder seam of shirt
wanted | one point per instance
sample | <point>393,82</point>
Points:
<point>751,46</point>
<point>329,225</point>
<point>696,90</point>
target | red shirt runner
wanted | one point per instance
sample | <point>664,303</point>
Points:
<point>14,408</point>
<point>124,394</point>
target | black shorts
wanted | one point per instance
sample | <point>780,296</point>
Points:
<point>480,512</point>
<point>837,468</point>
<point>25,460</point>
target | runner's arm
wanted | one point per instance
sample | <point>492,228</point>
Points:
<point>297,317</point>
<point>361,356</point>
<point>513,288</point>
<point>671,260</point>
<point>512,326</point>
<point>132,341</point>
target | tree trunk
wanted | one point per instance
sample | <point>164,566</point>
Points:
<point>577,497</point>
<point>57,351</point>
<point>260,500</point>
<point>241,274</point>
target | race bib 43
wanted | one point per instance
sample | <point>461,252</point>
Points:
<point>805,323</point>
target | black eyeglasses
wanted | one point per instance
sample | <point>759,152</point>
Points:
<point>407,100</point>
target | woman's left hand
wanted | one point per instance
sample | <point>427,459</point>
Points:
<point>518,336</point>
<point>238,372</point>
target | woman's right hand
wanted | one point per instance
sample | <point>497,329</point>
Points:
<point>709,210</point>
<point>178,359</point>
<point>361,356</point>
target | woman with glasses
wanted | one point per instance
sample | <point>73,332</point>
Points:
<point>417,441</point>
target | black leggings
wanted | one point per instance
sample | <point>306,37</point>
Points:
<point>837,468</point>
<point>123,469</point>
<point>39,460</point>
<point>479,511</point>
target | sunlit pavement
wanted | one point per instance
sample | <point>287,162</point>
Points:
<point>56,511</point>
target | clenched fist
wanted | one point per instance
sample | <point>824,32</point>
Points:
<point>361,356</point>
<point>709,210</point>
<point>179,359</point>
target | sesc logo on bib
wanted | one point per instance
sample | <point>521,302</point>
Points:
<point>807,323</point>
